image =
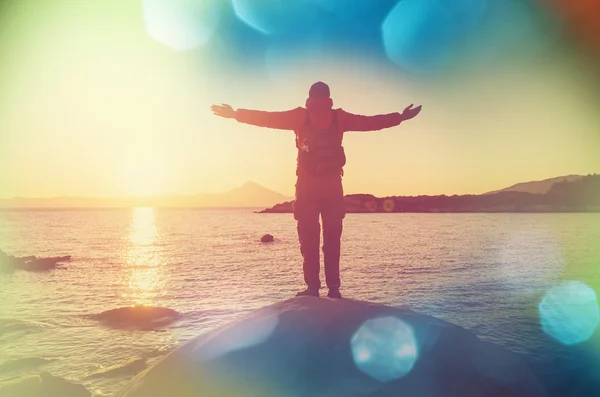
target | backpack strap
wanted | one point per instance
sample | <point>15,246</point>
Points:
<point>334,124</point>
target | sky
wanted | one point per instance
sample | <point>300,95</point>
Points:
<point>110,98</point>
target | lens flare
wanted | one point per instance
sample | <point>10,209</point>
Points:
<point>389,205</point>
<point>276,16</point>
<point>423,35</point>
<point>384,348</point>
<point>569,312</point>
<point>239,336</point>
<point>181,24</point>
<point>582,20</point>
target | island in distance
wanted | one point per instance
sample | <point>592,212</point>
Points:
<point>573,193</point>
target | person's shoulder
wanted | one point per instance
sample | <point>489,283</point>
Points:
<point>297,112</point>
<point>300,111</point>
<point>339,112</point>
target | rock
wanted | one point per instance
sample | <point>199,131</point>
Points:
<point>42,385</point>
<point>9,263</point>
<point>139,317</point>
<point>282,208</point>
<point>325,347</point>
<point>42,264</point>
<point>23,363</point>
<point>55,386</point>
<point>267,238</point>
<point>26,386</point>
<point>129,368</point>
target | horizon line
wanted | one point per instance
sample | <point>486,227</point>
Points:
<point>161,195</point>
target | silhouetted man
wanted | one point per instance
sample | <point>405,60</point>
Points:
<point>319,131</point>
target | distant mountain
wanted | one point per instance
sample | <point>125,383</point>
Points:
<point>538,187</point>
<point>248,195</point>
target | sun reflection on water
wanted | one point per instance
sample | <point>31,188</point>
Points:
<point>143,258</point>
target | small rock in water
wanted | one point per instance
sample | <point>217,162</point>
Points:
<point>139,317</point>
<point>267,238</point>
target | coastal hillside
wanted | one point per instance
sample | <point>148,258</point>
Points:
<point>538,187</point>
<point>567,195</point>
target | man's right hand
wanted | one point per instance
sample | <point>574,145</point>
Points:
<point>411,112</point>
<point>223,110</point>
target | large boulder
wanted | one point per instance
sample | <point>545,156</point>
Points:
<point>23,363</point>
<point>42,385</point>
<point>324,347</point>
<point>128,368</point>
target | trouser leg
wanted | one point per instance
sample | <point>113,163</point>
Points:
<point>332,234</point>
<point>333,213</point>
<point>306,213</point>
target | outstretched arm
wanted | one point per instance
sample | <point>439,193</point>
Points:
<point>355,122</point>
<point>288,120</point>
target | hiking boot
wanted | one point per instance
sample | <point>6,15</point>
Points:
<point>309,292</point>
<point>334,293</point>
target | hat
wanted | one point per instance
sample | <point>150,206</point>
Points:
<point>319,90</point>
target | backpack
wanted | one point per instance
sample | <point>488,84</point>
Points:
<point>321,151</point>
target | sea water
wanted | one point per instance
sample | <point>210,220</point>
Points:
<point>487,273</point>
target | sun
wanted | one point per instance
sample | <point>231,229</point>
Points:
<point>143,177</point>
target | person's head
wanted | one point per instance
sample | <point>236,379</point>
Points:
<point>319,90</point>
<point>319,97</point>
